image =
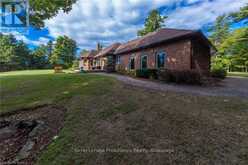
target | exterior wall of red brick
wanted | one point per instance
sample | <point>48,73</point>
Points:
<point>173,49</point>
<point>178,56</point>
<point>201,57</point>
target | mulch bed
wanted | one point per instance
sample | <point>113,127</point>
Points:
<point>25,133</point>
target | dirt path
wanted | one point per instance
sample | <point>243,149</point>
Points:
<point>231,86</point>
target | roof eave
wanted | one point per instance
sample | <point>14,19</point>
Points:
<point>154,44</point>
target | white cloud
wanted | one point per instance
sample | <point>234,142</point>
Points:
<point>40,41</point>
<point>194,17</point>
<point>105,21</point>
<point>108,21</point>
<point>193,1</point>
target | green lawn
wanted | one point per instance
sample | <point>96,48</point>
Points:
<point>240,74</point>
<point>106,114</point>
<point>22,89</point>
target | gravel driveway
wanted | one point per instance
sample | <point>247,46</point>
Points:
<point>231,86</point>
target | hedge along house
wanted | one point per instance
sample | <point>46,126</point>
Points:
<point>166,48</point>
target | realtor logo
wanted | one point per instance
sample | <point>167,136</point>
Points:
<point>14,15</point>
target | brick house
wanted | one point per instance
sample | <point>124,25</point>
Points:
<point>166,48</point>
<point>99,59</point>
<point>88,60</point>
<point>108,58</point>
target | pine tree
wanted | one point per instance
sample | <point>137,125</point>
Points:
<point>152,23</point>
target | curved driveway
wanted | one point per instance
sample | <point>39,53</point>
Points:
<point>231,86</point>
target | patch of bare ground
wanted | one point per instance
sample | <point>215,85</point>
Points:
<point>24,133</point>
<point>165,128</point>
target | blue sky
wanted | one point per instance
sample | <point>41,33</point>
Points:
<point>108,21</point>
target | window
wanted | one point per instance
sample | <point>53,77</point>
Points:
<point>132,63</point>
<point>118,60</point>
<point>160,59</point>
<point>144,62</point>
<point>109,60</point>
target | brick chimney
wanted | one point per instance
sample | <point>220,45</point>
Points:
<point>98,46</point>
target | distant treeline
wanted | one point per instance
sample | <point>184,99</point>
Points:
<point>15,54</point>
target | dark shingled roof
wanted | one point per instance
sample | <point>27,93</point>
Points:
<point>90,54</point>
<point>157,37</point>
<point>108,50</point>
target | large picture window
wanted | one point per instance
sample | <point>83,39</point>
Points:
<point>160,58</point>
<point>132,63</point>
<point>144,60</point>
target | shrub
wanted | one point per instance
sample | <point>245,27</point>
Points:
<point>131,73</point>
<point>218,72</point>
<point>147,73</point>
<point>109,68</point>
<point>166,75</point>
<point>187,77</point>
<point>121,69</point>
<point>143,73</point>
<point>153,73</point>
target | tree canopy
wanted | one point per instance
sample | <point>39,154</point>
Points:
<point>40,56</point>
<point>232,44</point>
<point>46,9</point>
<point>7,48</point>
<point>153,22</point>
<point>13,53</point>
<point>16,55</point>
<point>235,49</point>
<point>241,15</point>
<point>64,51</point>
<point>220,30</point>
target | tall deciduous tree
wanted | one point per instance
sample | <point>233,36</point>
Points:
<point>46,9</point>
<point>152,23</point>
<point>40,57</point>
<point>232,45</point>
<point>13,54</point>
<point>241,15</point>
<point>64,51</point>
<point>7,49</point>
<point>22,55</point>
<point>49,49</point>
<point>220,30</point>
<point>235,47</point>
